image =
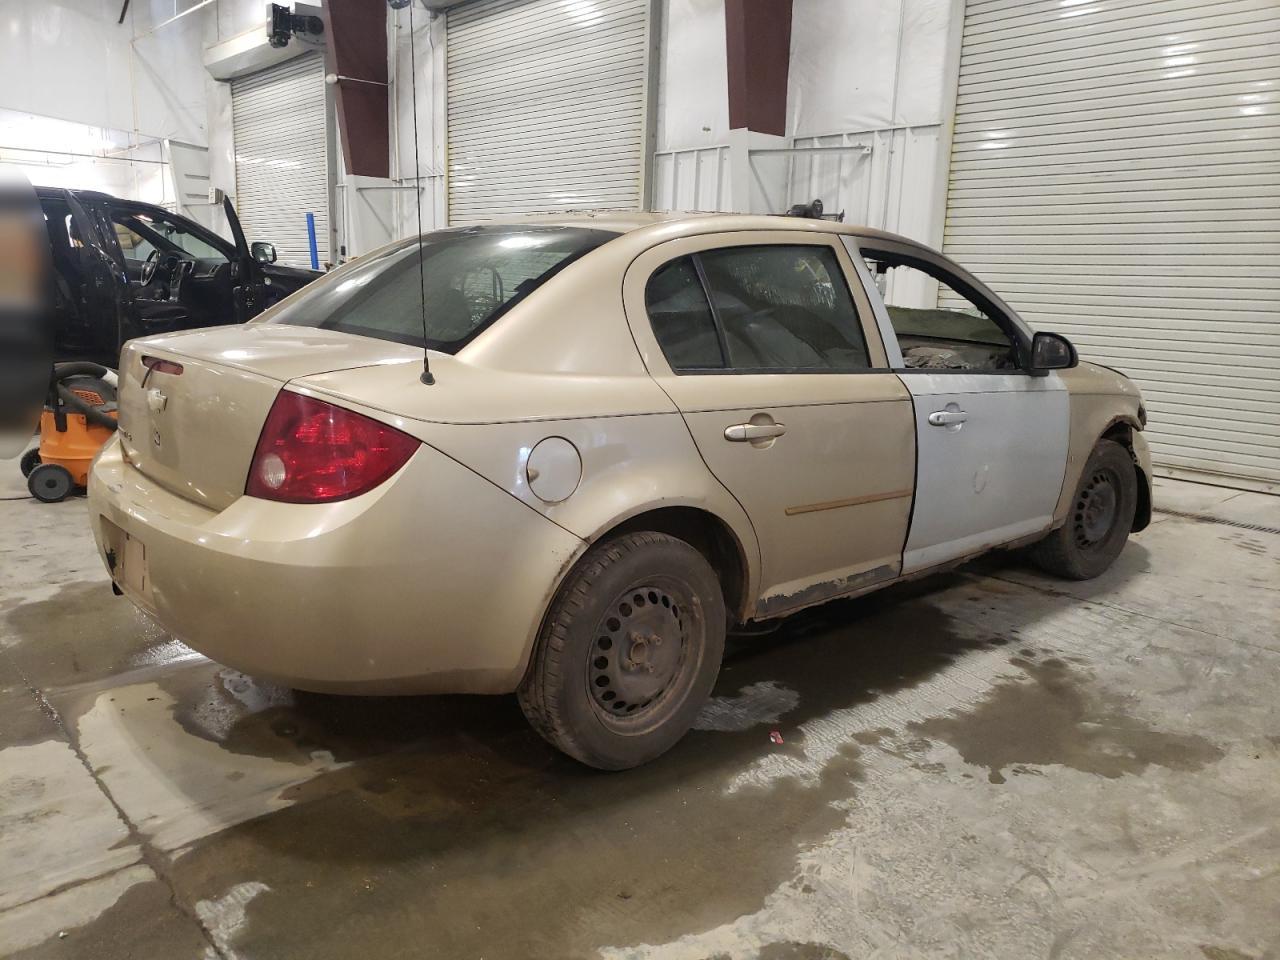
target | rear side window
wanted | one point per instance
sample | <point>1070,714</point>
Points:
<point>469,277</point>
<point>778,308</point>
<point>681,317</point>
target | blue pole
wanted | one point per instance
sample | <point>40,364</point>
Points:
<point>311,240</point>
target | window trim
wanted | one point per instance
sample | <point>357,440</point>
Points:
<point>728,369</point>
<point>131,208</point>
<point>1001,316</point>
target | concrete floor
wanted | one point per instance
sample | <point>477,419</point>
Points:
<point>989,763</point>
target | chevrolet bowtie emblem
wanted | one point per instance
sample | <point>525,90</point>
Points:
<point>156,401</point>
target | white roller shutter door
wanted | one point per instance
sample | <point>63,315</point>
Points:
<point>282,171</point>
<point>1115,174</point>
<point>546,106</point>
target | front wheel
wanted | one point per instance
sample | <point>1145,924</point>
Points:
<point>1100,519</point>
<point>629,652</point>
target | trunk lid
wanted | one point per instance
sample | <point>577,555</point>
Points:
<point>194,432</point>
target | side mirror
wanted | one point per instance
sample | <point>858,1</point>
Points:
<point>1050,351</point>
<point>263,252</point>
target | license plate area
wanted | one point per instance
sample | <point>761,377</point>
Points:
<point>126,558</point>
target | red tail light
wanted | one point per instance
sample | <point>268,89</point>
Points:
<point>314,452</point>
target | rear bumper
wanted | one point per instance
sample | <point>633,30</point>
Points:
<point>436,582</point>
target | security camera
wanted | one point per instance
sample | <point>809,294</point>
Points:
<point>283,25</point>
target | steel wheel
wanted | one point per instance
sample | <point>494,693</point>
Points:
<point>628,652</point>
<point>639,653</point>
<point>1097,506</point>
<point>1101,515</point>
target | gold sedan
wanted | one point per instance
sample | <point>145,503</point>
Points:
<point>634,433</point>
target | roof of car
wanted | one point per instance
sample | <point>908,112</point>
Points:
<point>628,221</point>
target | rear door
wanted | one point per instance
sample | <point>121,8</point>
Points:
<point>991,438</point>
<point>103,287</point>
<point>773,359</point>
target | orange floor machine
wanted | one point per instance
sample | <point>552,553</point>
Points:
<point>79,417</point>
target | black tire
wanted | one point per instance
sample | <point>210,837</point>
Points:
<point>30,460</point>
<point>642,617</point>
<point>50,482</point>
<point>1100,518</point>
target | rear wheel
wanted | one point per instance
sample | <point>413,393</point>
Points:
<point>1101,517</point>
<point>629,652</point>
<point>30,460</point>
<point>50,482</point>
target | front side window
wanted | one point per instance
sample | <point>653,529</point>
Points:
<point>141,232</point>
<point>135,247</point>
<point>468,277</point>
<point>939,327</point>
<point>777,308</point>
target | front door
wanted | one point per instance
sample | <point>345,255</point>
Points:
<point>773,359</point>
<point>992,439</point>
<point>247,289</point>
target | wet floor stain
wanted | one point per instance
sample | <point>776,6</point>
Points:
<point>142,922</point>
<point>1060,717</point>
<point>82,633</point>
<point>1224,953</point>
<point>455,825</point>
<point>790,950</point>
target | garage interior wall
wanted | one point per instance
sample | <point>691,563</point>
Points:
<point>101,119</point>
<point>282,170</point>
<point>870,90</point>
<point>1116,176</point>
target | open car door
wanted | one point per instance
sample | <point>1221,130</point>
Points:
<point>246,277</point>
<point>103,287</point>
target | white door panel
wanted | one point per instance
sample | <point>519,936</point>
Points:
<point>990,466</point>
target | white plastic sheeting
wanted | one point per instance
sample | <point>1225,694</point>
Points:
<point>870,83</point>
<point>69,59</point>
<point>428,54</point>
<point>693,89</point>
<point>861,65</point>
<point>59,153</point>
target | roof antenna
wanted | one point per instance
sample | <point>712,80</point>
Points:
<point>426,377</point>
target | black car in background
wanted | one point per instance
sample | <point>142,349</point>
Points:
<point>124,269</point>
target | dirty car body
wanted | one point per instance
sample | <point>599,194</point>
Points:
<point>125,269</point>
<point>642,431</point>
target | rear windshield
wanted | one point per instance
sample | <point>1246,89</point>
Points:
<point>469,278</point>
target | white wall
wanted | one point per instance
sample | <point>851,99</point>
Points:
<point>88,102</point>
<point>70,60</point>
<point>870,80</point>
<point>428,55</point>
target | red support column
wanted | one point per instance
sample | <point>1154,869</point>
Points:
<point>758,34</point>
<point>356,51</point>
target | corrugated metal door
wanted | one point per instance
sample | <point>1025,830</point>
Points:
<point>1115,174</point>
<point>282,169</point>
<point>547,104</point>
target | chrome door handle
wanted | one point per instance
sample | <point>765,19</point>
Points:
<point>945,418</point>
<point>748,432</point>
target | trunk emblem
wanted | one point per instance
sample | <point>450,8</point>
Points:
<point>156,401</point>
